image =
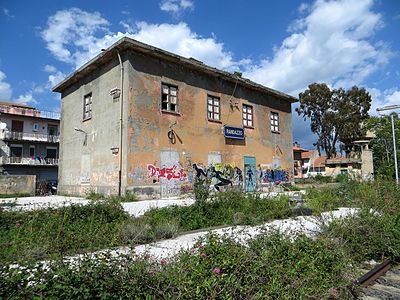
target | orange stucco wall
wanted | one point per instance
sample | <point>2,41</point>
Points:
<point>195,136</point>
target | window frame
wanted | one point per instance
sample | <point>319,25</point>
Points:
<point>168,109</point>
<point>274,122</point>
<point>87,115</point>
<point>213,112</point>
<point>246,114</point>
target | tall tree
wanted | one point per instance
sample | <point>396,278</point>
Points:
<point>336,115</point>
<point>382,144</point>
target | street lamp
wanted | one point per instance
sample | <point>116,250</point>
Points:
<point>84,132</point>
<point>392,107</point>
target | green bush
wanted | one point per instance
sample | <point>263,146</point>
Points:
<point>270,267</point>
<point>52,232</point>
<point>368,235</point>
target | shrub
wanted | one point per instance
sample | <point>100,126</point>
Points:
<point>48,233</point>
<point>270,267</point>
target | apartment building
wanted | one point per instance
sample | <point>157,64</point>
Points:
<point>29,141</point>
<point>138,118</point>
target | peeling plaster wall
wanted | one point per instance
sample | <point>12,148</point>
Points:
<point>196,136</point>
<point>91,166</point>
<point>87,162</point>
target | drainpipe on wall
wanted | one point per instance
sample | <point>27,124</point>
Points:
<point>120,125</point>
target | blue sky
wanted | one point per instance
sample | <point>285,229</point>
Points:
<point>285,45</point>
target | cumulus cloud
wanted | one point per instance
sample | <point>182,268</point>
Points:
<point>5,88</point>
<point>74,41</point>
<point>7,13</point>
<point>181,40</point>
<point>55,76</point>
<point>383,98</point>
<point>26,98</point>
<point>74,28</point>
<point>176,7</point>
<point>331,44</point>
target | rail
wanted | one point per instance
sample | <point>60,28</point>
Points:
<point>38,161</point>
<point>29,136</point>
<point>30,112</point>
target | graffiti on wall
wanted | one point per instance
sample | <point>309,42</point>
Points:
<point>176,172</point>
<point>218,175</point>
<point>270,175</point>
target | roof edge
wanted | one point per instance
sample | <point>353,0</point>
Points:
<point>157,52</point>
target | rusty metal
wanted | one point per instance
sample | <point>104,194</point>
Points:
<point>370,277</point>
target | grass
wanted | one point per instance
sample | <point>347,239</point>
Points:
<point>128,197</point>
<point>51,233</point>
<point>18,195</point>
<point>269,267</point>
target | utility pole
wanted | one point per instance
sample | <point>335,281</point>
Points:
<point>392,107</point>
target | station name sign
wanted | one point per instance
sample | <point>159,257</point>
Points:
<point>233,132</point>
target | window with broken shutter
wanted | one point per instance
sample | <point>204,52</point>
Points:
<point>169,97</point>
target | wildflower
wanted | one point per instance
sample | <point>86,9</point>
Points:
<point>203,255</point>
<point>193,251</point>
<point>163,261</point>
<point>152,273</point>
<point>216,271</point>
<point>18,225</point>
<point>333,292</point>
<point>198,245</point>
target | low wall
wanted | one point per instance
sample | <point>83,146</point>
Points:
<point>17,184</point>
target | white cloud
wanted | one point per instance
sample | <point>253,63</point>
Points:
<point>73,28</point>
<point>383,98</point>
<point>5,88</point>
<point>7,13</point>
<point>55,76</point>
<point>329,45</point>
<point>179,39</point>
<point>26,98</point>
<point>69,41</point>
<point>176,7</point>
<point>50,68</point>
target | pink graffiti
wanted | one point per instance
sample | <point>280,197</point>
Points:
<point>168,173</point>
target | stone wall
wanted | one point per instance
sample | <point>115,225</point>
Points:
<point>17,184</point>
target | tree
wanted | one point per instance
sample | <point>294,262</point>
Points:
<point>382,144</point>
<point>336,115</point>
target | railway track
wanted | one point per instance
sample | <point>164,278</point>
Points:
<point>382,282</point>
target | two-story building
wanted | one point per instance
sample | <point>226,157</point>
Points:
<point>138,118</point>
<point>29,141</point>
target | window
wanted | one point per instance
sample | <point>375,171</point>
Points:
<point>274,122</point>
<point>32,151</point>
<point>247,115</point>
<point>169,98</point>
<point>213,108</point>
<point>87,107</point>
<point>35,126</point>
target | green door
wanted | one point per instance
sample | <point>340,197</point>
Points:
<point>249,174</point>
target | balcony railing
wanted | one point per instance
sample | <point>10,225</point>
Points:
<point>29,136</point>
<point>12,160</point>
<point>31,112</point>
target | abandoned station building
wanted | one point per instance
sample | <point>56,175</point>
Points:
<point>140,119</point>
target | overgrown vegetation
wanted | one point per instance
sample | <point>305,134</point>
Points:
<point>50,233</point>
<point>269,267</point>
<point>128,197</point>
<point>18,195</point>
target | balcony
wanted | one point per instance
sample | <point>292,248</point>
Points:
<point>29,136</point>
<point>30,112</point>
<point>29,161</point>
